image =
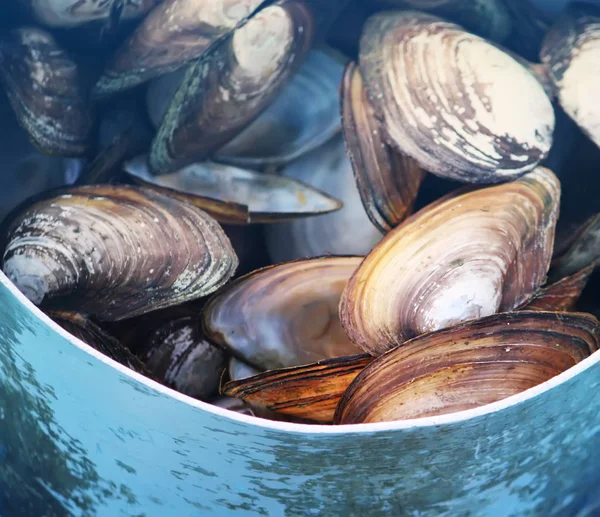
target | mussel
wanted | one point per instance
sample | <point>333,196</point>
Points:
<point>571,52</point>
<point>303,116</point>
<point>387,181</point>
<point>466,256</point>
<point>46,91</point>
<point>284,315</point>
<point>232,83</point>
<point>468,366</point>
<point>173,34</point>
<point>445,98</point>
<point>91,334</point>
<point>179,356</point>
<point>115,252</point>
<point>235,195</point>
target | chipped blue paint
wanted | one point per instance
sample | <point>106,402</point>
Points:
<point>79,432</point>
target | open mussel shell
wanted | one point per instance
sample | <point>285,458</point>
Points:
<point>114,252</point>
<point>232,83</point>
<point>466,256</point>
<point>71,13</point>
<point>46,91</point>
<point>284,315</point>
<point>347,231</point>
<point>561,296</point>
<point>180,357</point>
<point>571,52</point>
<point>309,392</point>
<point>173,34</point>
<point>387,181</point>
<point>468,366</point>
<point>235,195</point>
<point>304,115</point>
<point>582,251</point>
<point>91,334</point>
<point>446,98</point>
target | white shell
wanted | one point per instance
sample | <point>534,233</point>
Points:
<point>448,98</point>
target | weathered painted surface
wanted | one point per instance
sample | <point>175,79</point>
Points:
<point>80,434</point>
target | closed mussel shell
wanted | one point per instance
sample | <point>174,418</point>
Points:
<point>227,89</point>
<point>468,255</point>
<point>468,366</point>
<point>235,195</point>
<point>284,315</point>
<point>309,392</point>
<point>115,252</point>
<point>571,52</point>
<point>173,34</point>
<point>180,357</point>
<point>387,181</point>
<point>347,231</point>
<point>91,334</point>
<point>446,98</point>
<point>46,91</point>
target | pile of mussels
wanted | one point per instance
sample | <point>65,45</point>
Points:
<point>320,212</point>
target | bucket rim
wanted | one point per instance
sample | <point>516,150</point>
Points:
<point>311,429</point>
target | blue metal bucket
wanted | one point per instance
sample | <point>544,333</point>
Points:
<point>80,434</point>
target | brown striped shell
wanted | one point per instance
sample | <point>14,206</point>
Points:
<point>466,256</point>
<point>446,98</point>
<point>46,91</point>
<point>115,252</point>
<point>468,366</point>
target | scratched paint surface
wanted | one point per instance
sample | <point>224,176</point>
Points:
<point>77,434</point>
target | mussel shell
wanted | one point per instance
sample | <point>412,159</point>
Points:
<point>173,34</point>
<point>304,115</point>
<point>468,366</point>
<point>231,84</point>
<point>71,13</point>
<point>571,52</point>
<point>561,296</point>
<point>244,195</point>
<point>387,181</point>
<point>46,91</point>
<point>311,392</point>
<point>284,315</point>
<point>180,357</point>
<point>468,255</point>
<point>91,334</point>
<point>115,252</point>
<point>446,98</point>
<point>347,231</point>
